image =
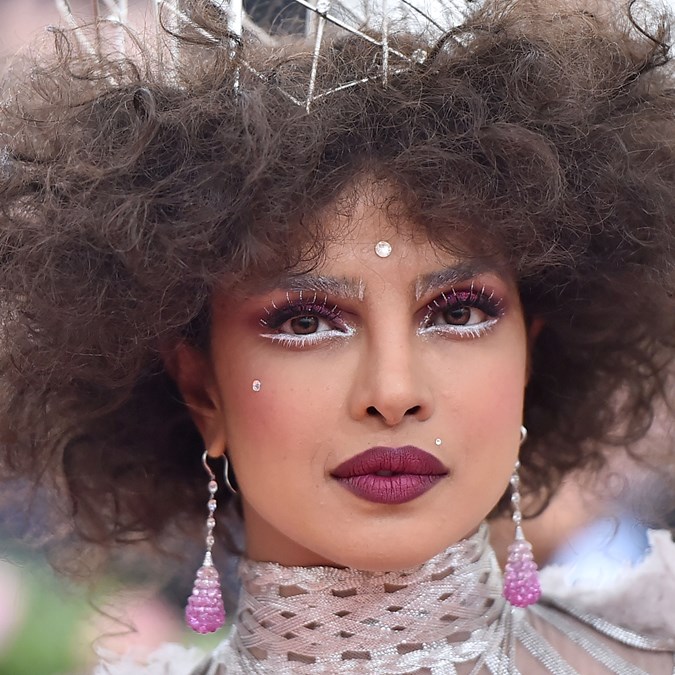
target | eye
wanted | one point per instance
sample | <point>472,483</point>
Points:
<point>304,325</point>
<point>463,313</point>
<point>459,316</point>
<point>300,323</point>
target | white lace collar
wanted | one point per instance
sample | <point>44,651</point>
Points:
<point>320,615</point>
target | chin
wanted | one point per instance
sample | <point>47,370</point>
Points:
<point>403,553</point>
<point>399,544</point>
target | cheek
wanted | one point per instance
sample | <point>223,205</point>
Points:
<point>484,401</point>
<point>281,419</point>
<point>498,397</point>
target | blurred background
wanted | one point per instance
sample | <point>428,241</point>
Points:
<point>51,626</point>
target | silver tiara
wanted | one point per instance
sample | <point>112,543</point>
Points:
<point>271,21</point>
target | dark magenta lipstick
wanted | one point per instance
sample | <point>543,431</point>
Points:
<point>390,475</point>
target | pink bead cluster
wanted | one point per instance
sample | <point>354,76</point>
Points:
<point>521,581</point>
<point>205,612</point>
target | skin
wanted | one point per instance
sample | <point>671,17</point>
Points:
<point>390,372</point>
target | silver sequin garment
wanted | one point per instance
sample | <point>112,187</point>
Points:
<point>446,617</point>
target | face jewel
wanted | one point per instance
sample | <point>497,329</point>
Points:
<point>383,249</point>
<point>256,385</point>
<point>438,441</point>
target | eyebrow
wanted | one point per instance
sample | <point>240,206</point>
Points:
<point>342,287</point>
<point>436,281</point>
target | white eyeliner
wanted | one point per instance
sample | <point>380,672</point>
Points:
<point>473,331</point>
<point>291,340</point>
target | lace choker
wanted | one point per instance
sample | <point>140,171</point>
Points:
<point>303,619</point>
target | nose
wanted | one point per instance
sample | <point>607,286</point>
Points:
<point>391,384</point>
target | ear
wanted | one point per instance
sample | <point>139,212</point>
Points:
<point>534,328</point>
<point>192,371</point>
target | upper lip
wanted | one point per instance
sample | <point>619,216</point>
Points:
<point>404,460</point>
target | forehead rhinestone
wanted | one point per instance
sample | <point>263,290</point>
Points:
<point>383,249</point>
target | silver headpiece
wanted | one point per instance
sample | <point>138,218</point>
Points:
<point>270,21</point>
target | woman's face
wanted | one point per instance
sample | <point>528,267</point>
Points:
<point>416,359</point>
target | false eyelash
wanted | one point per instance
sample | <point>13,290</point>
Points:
<point>457,298</point>
<point>276,316</point>
<point>301,341</point>
<point>480,299</point>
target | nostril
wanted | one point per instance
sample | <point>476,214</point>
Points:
<point>374,412</point>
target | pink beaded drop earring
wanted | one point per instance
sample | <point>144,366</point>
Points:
<point>521,578</point>
<point>205,611</point>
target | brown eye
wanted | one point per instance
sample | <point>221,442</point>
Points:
<point>297,325</point>
<point>457,316</point>
<point>304,325</point>
<point>461,314</point>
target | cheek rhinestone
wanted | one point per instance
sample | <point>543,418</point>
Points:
<point>383,249</point>
<point>256,385</point>
<point>438,441</point>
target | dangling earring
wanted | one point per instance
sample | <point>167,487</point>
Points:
<point>226,475</point>
<point>205,611</point>
<point>521,578</point>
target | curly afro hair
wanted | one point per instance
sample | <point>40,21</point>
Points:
<point>131,192</point>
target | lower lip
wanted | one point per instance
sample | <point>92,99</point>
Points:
<point>397,489</point>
